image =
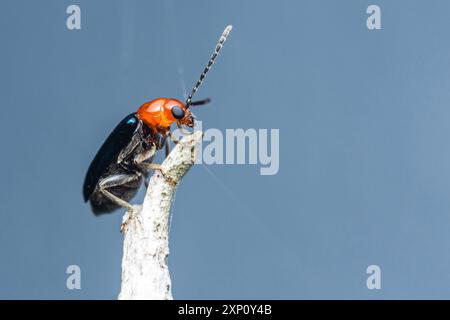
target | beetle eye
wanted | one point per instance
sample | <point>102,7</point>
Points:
<point>177,112</point>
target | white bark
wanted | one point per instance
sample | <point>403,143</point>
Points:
<point>145,272</point>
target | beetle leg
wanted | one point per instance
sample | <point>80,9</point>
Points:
<point>157,166</point>
<point>174,140</point>
<point>167,148</point>
<point>117,200</point>
<point>114,181</point>
<point>126,219</point>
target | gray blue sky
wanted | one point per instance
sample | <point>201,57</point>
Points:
<point>364,122</point>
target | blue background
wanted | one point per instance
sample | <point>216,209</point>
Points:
<point>364,123</point>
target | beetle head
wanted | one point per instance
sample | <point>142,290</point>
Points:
<point>160,113</point>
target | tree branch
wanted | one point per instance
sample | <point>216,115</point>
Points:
<point>145,272</point>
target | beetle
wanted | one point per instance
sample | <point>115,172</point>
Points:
<point>124,160</point>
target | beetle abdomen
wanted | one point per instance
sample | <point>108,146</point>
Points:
<point>101,204</point>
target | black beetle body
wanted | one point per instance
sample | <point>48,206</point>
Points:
<point>118,169</point>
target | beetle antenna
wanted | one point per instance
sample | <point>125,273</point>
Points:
<point>200,102</point>
<point>219,46</point>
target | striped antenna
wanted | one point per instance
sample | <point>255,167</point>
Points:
<point>211,61</point>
